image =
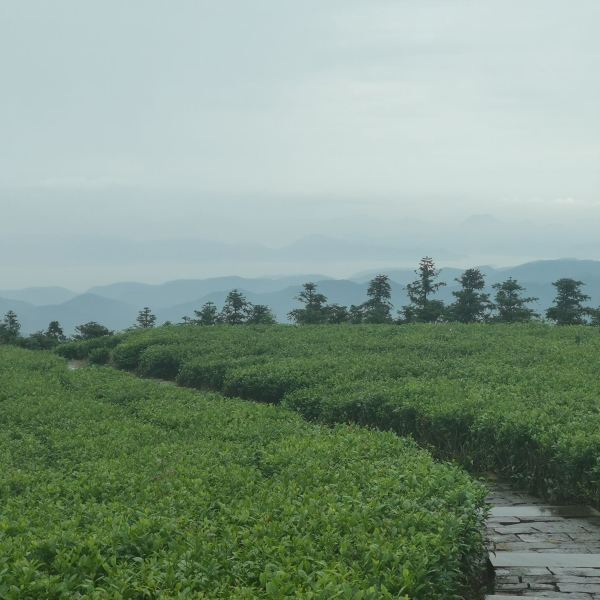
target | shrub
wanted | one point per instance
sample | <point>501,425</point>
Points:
<point>520,399</point>
<point>160,361</point>
<point>99,356</point>
<point>173,493</point>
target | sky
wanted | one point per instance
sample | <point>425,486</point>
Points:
<point>403,124</point>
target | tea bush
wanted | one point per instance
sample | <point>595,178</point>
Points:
<point>116,487</point>
<point>523,400</point>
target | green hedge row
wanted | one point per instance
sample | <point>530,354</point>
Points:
<point>523,400</point>
<point>116,487</point>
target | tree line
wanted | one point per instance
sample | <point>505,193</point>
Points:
<point>472,304</point>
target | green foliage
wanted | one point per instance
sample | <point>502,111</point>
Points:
<point>145,319</point>
<point>81,349</point>
<point>568,306</point>
<point>314,311</point>
<point>261,314</point>
<point>114,487</point>
<point>521,399</point>
<point>9,328</point>
<point>236,309</point>
<point>162,361</point>
<point>510,305</point>
<point>99,356</point>
<point>207,315</point>
<point>378,308</point>
<point>472,305</point>
<point>90,330</point>
<point>422,309</point>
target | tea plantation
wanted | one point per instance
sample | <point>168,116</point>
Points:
<point>115,487</point>
<point>522,400</point>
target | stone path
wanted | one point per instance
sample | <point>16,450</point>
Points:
<point>542,551</point>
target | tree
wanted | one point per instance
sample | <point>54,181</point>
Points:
<point>422,309</point>
<point>356,314</point>
<point>510,305</point>
<point>236,309</point>
<point>568,308</point>
<point>471,305</point>
<point>314,311</point>
<point>10,328</point>
<point>55,332</point>
<point>595,316</point>
<point>378,308</point>
<point>145,319</point>
<point>261,314</point>
<point>40,340</point>
<point>91,330</point>
<point>207,315</point>
<point>336,314</point>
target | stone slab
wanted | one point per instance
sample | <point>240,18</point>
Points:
<point>543,511</point>
<point>545,559</point>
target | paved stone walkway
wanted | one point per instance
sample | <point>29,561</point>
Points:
<point>542,551</point>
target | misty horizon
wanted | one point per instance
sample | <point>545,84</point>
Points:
<point>143,142</point>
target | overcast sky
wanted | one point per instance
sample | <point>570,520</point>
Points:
<point>270,120</point>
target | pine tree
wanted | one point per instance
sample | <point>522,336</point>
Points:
<point>207,315</point>
<point>145,319</point>
<point>510,305</point>
<point>314,311</point>
<point>356,314</point>
<point>236,309</point>
<point>422,309</point>
<point>336,314</point>
<point>471,305</point>
<point>378,308</point>
<point>261,314</point>
<point>55,332</point>
<point>10,328</point>
<point>568,308</point>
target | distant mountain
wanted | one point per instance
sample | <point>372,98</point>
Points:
<point>81,309</point>
<point>39,295</point>
<point>116,305</point>
<point>189,290</point>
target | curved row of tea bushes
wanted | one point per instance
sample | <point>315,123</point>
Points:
<point>523,400</point>
<point>116,487</point>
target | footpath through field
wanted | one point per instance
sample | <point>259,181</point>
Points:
<point>539,550</point>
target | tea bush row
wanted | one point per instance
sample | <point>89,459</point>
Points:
<point>116,487</point>
<point>523,400</point>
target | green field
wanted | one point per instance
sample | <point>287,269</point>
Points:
<point>115,487</point>
<point>522,400</point>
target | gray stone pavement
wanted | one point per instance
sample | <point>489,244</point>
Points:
<point>539,550</point>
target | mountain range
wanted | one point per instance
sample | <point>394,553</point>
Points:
<point>116,305</point>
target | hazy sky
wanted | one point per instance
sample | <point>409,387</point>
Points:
<point>269,120</point>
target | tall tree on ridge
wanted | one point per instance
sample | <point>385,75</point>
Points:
<point>55,332</point>
<point>509,303</point>
<point>378,308</point>
<point>10,328</point>
<point>207,315</point>
<point>314,311</point>
<point>261,314</point>
<point>145,319</point>
<point>236,309</point>
<point>471,304</point>
<point>336,314</point>
<point>568,308</point>
<point>422,309</point>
